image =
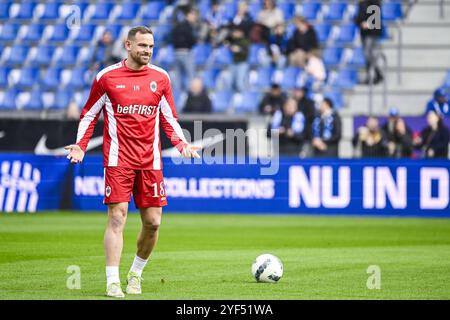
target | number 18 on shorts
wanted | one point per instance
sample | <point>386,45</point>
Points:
<point>147,187</point>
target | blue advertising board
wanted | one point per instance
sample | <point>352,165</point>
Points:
<point>294,186</point>
<point>299,186</point>
<point>30,183</point>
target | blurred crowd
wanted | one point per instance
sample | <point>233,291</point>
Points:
<point>305,126</point>
<point>304,132</point>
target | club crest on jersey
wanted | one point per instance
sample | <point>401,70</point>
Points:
<point>108,191</point>
<point>153,86</point>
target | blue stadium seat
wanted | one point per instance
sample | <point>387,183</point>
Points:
<point>68,56</point>
<point>82,6</point>
<point>4,9</point>
<point>26,10</point>
<point>85,60</point>
<point>310,10</point>
<point>9,99</point>
<point>384,33</point>
<point>204,8</point>
<point>332,56</point>
<point>165,56</point>
<point>62,99</point>
<point>209,77</point>
<point>51,78</point>
<point>43,56</point>
<point>221,100</point>
<point>323,31</point>
<point>51,10</point>
<point>357,59</point>
<point>221,57</point>
<point>152,10</point>
<point>391,11</point>
<point>35,102</point>
<point>264,78</point>
<point>17,55</point>
<point>34,33</point>
<point>102,10</point>
<point>201,53</point>
<point>229,10</point>
<point>254,53</point>
<point>254,8</point>
<point>290,76</point>
<point>60,33</point>
<point>288,8</point>
<point>336,96</point>
<point>77,80</point>
<point>336,11</point>
<point>347,34</point>
<point>161,33</point>
<point>249,102</point>
<point>86,33</point>
<point>4,73</point>
<point>115,30</point>
<point>9,32</point>
<point>129,11</point>
<point>28,76</point>
<point>346,79</point>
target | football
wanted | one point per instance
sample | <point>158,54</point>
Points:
<point>267,268</point>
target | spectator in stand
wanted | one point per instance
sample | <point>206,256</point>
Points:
<point>434,139</point>
<point>239,47</point>
<point>243,19</point>
<point>439,103</point>
<point>278,46</point>
<point>370,35</point>
<point>289,125</point>
<point>315,67</point>
<point>217,24</point>
<point>398,136</point>
<point>119,49</point>
<point>198,100</point>
<point>306,106</point>
<point>370,139</point>
<point>270,15</point>
<point>302,42</point>
<point>183,39</point>
<point>327,131</point>
<point>272,100</point>
<point>104,52</point>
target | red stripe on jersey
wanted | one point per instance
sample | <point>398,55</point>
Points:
<point>134,103</point>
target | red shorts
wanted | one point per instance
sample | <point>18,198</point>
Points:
<point>147,187</point>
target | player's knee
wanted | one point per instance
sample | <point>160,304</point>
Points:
<point>117,219</point>
<point>152,225</point>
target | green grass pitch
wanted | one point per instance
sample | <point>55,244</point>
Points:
<point>209,256</point>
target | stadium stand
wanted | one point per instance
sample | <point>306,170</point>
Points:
<point>47,53</point>
<point>37,35</point>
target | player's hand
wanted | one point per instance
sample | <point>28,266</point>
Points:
<point>190,152</point>
<point>75,155</point>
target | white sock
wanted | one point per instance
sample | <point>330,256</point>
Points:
<point>112,275</point>
<point>138,265</point>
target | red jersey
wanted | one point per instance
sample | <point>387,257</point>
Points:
<point>134,103</point>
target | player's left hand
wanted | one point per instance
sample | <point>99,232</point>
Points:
<point>190,152</point>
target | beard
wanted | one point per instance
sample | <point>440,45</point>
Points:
<point>141,59</point>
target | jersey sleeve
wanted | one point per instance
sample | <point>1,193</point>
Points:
<point>169,120</point>
<point>90,114</point>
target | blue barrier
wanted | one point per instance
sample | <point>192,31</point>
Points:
<point>31,183</point>
<point>312,186</point>
<point>300,186</point>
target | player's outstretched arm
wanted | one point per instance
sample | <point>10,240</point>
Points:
<point>76,154</point>
<point>190,151</point>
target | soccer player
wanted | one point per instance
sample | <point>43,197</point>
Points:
<point>135,97</point>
